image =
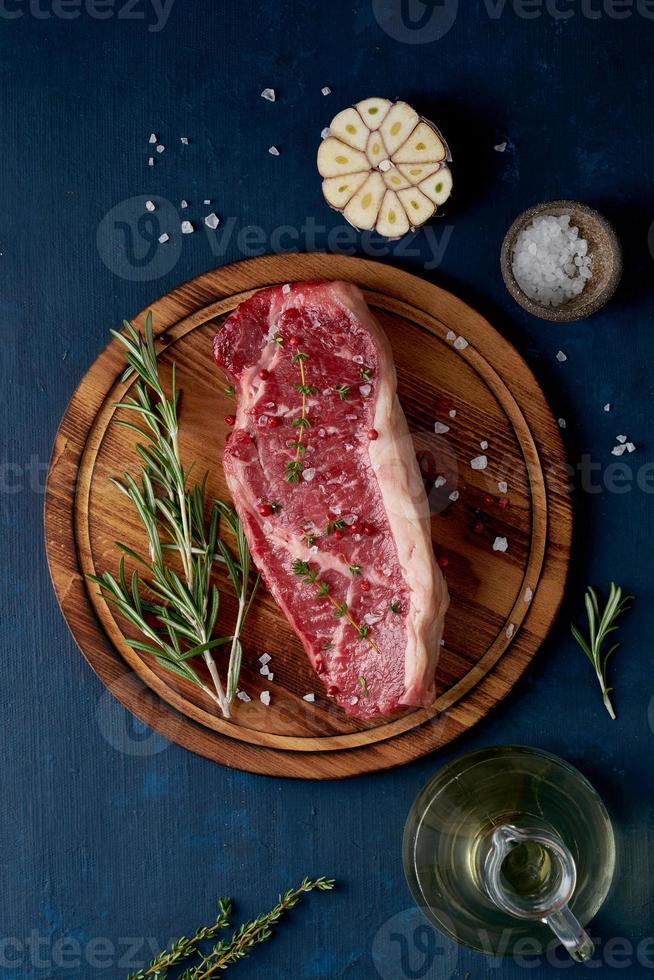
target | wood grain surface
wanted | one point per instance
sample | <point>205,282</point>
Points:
<point>503,603</point>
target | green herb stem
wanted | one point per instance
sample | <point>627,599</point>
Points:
<point>600,626</point>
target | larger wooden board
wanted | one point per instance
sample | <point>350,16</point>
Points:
<point>449,360</point>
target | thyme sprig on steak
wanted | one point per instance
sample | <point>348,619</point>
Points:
<point>295,466</point>
<point>309,576</point>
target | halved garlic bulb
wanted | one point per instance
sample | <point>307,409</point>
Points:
<point>384,167</point>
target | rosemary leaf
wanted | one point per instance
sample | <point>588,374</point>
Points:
<point>600,625</point>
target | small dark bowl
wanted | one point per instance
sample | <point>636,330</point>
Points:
<point>603,245</point>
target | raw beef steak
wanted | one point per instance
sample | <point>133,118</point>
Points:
<point>323,474</point>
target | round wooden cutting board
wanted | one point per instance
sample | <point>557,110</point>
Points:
<point>453,368</point>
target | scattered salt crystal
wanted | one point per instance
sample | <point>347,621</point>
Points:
<point>357,358</point>
<point>354,699</point>
<point>460,343</point>
<point>483,444</point>
<point>242,696</point>
<point>183,204</point>
<point>501,147</point>
<point>452,413</point>
<point>454,496</point>
<point>370,619</point>
<point>562,423</point>
<point>268,94</point>
<point>160,147</point>
<point>336,510</point>
<point>618,450</point>
<point>500,544</point>
<point>450,335</point>
<point>441,428</point>
<point>187,228</point>
<point>325,132</point>
<point>529,595</point>
<point>510,630</point>
<point>326,90</point>
<point>184,140</point>
<point>207,200</point>
<point>212,221</point>
<point>561,357</point>
<point>365,390</point>
<point>265,658</point>
<point>265,670</point>
<point>264,697</point>
<point>153,138</point>
<point>308,474</point>
<point>479,463</point>
<point>608,407</point>
<point>313,550</point>
<point>164,238</point>
<point>350,519</point>
<point>150,205</point>
<point>440,481</point>
<point>631,448</point>
<point>384,165</point>
<point>309,697</point>
<point>621,438</point>
<point>503,487</point>
<point>286,289</point>
<point>349,447</point>
<point>150,161</point>
<point>271,677</point>
<point>274,152</point>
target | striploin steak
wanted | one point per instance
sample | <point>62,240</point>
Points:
<point>323,474</point>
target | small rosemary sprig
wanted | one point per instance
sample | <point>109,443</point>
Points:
<point>175,613</point>
<point>309,576</point>
<point>228,951</point>
<point>600,625</point>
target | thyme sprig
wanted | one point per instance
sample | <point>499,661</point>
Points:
<point>227,951</point>
<point>600,625</point>
<point>295,466</point>
<point>175,613</point>
<point>309,576</point>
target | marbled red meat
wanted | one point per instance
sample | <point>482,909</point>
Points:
<point>346,511</point>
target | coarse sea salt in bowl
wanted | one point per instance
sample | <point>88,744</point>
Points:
<point>561,260</point>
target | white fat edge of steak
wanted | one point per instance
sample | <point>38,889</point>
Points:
<point>407,509</point>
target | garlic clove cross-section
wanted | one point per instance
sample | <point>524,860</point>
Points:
<point>384,167</point>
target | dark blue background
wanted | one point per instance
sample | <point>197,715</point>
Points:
<point>106,831</point>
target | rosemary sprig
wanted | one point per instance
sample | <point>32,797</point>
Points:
<point>228,951</point>
<point>600,625</point>
<point>309,576</point>
<point>175,613</point>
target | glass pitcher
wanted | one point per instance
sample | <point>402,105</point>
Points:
<point>510,844</point>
